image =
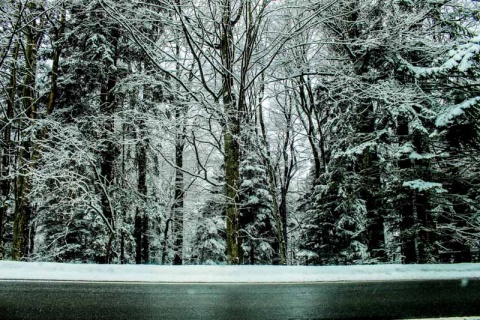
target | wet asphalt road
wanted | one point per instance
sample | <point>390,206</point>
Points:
<point>386,300</point>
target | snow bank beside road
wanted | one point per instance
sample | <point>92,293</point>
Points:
<point>10,270</point>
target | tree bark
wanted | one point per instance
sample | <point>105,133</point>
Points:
<point>231,139</point>
<point>406,210</point>
<point>23,211</point>
<point>179,202</point>
<point>109,151</point>
<point>179,192</point>
<point>52,96</point>
<point>165,240</point>
<point>141,219</point>
<point>5,181</point>
<point>137,234</point>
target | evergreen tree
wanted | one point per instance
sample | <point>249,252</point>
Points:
<point>382,181</point>
<point>209,245</point>
<point>259,241</point>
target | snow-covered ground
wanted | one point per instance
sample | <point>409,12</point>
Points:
<point>244,274</point>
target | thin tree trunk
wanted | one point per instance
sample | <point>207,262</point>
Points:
<point>179,193</point>
<point>107,164</point>
<point>141,219</point>
<point>122,248</point>
<point>165,239</point>
<point>179,199</point>
<point>407,224</point>
<point>309,126</point>
<point>108,155</point>
<point>273,191</point>
<point>137,234</point>
<point>288,166</point>
<point>146,239</point>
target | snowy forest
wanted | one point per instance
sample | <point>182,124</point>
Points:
<point>299,132</point>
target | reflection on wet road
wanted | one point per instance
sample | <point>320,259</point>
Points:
<point>406,299</point>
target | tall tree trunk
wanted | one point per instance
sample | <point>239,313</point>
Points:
<point>5,181</point>
<point>146,239</point>
<point>308,108</point>
<point>165,240</point>
<point>231,139</point>
<point>52,96</point>
<point>108,157</point>
<point>283,218</point>
<point>426,236</point>
<point>137,234</point>
<point>141,218</point>
<point>178,205</point>
<point>179,192</point>
<point>368,170</point>
<point>286,175</point>
<point>23,211</point>
<point>280,224</point>
<point>179,201</point>
<point>406,210</point>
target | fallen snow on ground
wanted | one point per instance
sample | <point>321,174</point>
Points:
<point>10,270</point>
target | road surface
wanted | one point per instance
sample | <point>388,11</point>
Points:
<point>138,301</point>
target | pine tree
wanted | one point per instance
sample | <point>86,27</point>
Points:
<point>259,241</point>
<point>210,246</point>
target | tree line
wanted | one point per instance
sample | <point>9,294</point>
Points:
<point>240,131</point>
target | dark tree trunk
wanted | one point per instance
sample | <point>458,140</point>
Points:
<point>426,236</point>
<point>145,239</point>
<point>165,241</point>
<point>5,181</point>
<point>179,200</point>
<point>137,233</point>
<point>141,219</point>
<point>306,103</point>
<point>405,204</point>
<point>23,210</point>
<point>122,248</point>
<point>109,152</point>
<point>231,139</point>
<point>108,156</point>
<point>283,216</point>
